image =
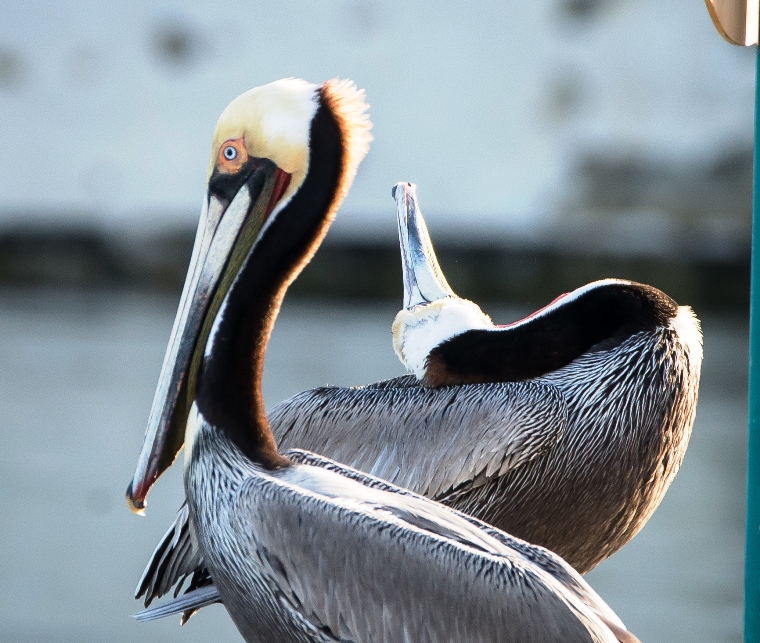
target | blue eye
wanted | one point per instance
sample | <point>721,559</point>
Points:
<point>230,153</point>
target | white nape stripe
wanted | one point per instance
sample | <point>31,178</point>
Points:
<point>194,422</point>
<point>565,299</point>
<point>289,121</point>
<point>294,124</point>
<point>687,327</point>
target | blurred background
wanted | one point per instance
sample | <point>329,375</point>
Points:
<point>553,143</point>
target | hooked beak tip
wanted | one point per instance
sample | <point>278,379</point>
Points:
<point>402,185</point>
<point>136,505</point>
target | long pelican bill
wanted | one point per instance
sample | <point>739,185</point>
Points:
<point>423,278</point>
<point>234,212</point>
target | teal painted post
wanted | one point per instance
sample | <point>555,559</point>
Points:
<point>752,561</point>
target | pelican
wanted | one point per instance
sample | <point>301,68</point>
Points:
<point>626,360</point>
<point>300,547</point>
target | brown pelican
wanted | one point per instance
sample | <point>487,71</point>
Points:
<point>626,360</point>
<point>302,548</point>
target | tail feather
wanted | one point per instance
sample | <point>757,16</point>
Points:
<point>189,602</point>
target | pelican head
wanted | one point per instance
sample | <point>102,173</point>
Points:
<point>432,313</point>
<point>260,158</point>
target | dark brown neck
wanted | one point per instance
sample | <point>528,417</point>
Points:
<point>229,394</point>
<point>598,319</point>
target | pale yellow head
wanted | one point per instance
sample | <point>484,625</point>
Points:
<point>273,122</point>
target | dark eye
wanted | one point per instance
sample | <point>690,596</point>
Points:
<point>230,153</point>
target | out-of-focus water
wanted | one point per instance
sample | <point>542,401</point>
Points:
<point>77,374</point>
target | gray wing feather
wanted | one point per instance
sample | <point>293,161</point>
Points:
<point>428,440</point>
<point>539,556</point>
<point>421,572</point>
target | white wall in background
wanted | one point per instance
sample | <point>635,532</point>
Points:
<point>107,108</point>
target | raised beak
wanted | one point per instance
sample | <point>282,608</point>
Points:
<point>227,230</point>
<point>423,279</point>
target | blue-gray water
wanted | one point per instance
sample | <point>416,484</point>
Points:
<point>77,374</point>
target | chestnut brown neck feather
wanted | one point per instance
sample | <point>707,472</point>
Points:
<point>229,392</point>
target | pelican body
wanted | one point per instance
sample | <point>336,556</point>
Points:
<point>302,548</point>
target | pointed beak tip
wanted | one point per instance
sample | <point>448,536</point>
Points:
<point>136,505</point>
